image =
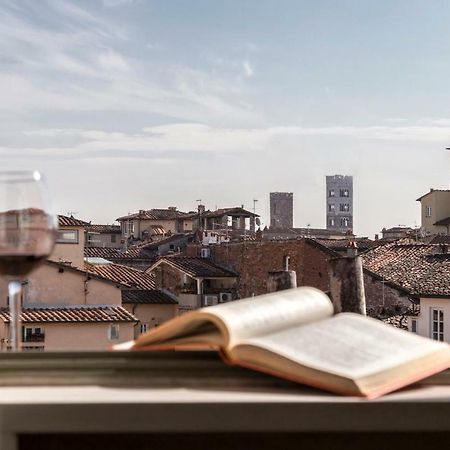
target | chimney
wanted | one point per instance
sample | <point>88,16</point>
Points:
<point>352,249</point>
<point>376,237</point>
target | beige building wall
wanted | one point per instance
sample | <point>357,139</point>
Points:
<point>104,240</point>
<point>73,252</point>
<point>439,202</point>
<point>75,336</point>
<point>151,315</point>
<point>424,321</point>
<point>48,285</point>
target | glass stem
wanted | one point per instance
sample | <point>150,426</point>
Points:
<point>15,307</point>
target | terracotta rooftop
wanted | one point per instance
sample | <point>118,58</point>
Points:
<point>154,297</point>
<point>103,228</point>
<point>229,212</point>
<point>167,240</point>
<point>342,244</point>
<point>295,233</point>
<point>398,321</point>
<point>156,214</point>
<point>438,239</point>
<point>195,267</point>
<point>63,266</point>
<point>125,275</point>
<point>65,221</point>
<point>445,221</point>
<point>137,252</point>
<point>431,191</point>
<point>72,314</point>
<point>422,269</point>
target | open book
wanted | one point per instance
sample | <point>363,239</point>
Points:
<point>293,334</point>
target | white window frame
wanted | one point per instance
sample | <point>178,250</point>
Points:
<point>33,333</point>
<point>64,237</point>
<point>113,331</point>
<point>437,333</point>
<point>427,211</point>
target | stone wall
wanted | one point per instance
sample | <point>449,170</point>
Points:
<point>255,259</point>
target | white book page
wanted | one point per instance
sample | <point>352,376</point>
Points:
<point>268,313</point>
<point>347,345</point>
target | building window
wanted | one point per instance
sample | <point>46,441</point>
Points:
<point>205,252</point>
<point>331,207</point>
<point>344,207</point>
<point>131,227</point>
<point>437,324</point>
<point>331,193</point>
<point>414,325</point>
<point>144,327</point>
<point>331,222</point>
<point>113,332</point>
<point>344,221</point>
<point>33,334</point>
<point>344,193</point>
<point>114,238</point>
<point>67,237</point>
<point>427,211</point>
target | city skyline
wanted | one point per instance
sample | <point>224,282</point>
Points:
<point>129,105</point>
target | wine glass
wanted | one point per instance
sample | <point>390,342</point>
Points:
<point>27,235</point>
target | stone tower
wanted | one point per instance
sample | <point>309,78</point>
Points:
<point>281,210</point>
<point>339,202</point>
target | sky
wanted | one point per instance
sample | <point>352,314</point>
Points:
<point>133,104</point>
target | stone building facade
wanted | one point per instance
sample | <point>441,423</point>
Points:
<point>281,210</point>
<point>253,260</point>
<point>339,202</point>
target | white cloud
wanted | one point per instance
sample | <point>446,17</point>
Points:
<point>175,139</point>
<point>77,62</point>
<point>248,69</point>
<point>115,3</point>
<point>112,60</point>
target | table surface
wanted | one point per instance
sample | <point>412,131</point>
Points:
<point>193,391</point>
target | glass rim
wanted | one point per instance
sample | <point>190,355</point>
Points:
<point>20,176</point>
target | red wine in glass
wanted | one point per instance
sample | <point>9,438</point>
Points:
<point>27,235</point>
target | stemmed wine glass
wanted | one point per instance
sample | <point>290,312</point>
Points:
<point>27,235</point>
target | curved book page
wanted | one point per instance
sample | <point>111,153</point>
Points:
<point>229,323</point>
<point>347,353</point>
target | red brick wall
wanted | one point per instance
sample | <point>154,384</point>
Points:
<point>254,260</point>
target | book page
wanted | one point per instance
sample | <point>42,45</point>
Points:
<point>228,323</point>
<point>270,312</point>
<point>347,345</point>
